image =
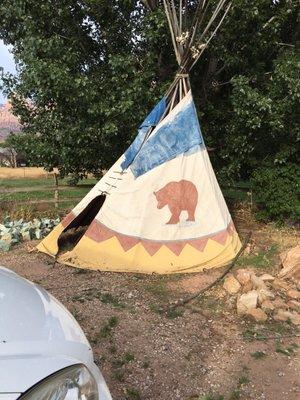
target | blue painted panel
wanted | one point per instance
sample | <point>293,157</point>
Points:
<point>180,135</point>
<point>151,120</point>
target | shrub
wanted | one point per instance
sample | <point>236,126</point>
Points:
<point>276,190</point>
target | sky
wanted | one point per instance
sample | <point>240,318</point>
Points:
<point>7,62</point>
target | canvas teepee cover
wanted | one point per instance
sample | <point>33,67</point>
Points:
<point>159,208</point>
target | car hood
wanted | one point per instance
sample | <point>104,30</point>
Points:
<point>38,336</point>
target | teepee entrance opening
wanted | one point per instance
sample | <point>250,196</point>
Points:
<point>72,234</point>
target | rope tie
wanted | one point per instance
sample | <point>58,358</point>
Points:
<point>182,75</point>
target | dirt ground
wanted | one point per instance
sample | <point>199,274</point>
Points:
<point>23,172</point>
<point>201,351</point>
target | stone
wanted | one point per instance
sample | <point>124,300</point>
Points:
<point>243,276</point>
<point>267,306</point>
<point>280,284</point>
<point>290,261</point>
<point>257,282</point>
<point>246,302</point>
<point>279,303</point>
<point>4,245</point>
<point>282,315</point>
<point>246,288</point>
<point>293,294</point>
<point>258,314</point>
<point>294,305</point>
<point>267,278</point>
<point>231,285</point>
<point>265,294</point>
<point>295,319</point>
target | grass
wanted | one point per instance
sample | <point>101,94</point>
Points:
<point>12,183</point>
<point>132,394</point>
<point>211,396</point>
<point>262,259</point>
<point>175,313</point>
<point>146,364</point>
<point>258,355</point>
<point>237,391</point>
<point>43,194</point>
<point>158,289</point>
<point>94,293</point>
<point>290,350</point>
<point>31,203</point>
<point>106,330</point>
<point>126,359</point>
<point>108,298</point>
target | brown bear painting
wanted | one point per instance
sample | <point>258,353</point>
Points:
<point>178,196</point>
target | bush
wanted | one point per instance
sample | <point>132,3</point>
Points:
<point>276,190</point>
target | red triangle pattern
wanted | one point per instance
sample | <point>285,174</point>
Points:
<point>99,233</point>
<point>68,219</point>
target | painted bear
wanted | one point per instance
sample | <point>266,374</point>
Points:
<point>178,196</point>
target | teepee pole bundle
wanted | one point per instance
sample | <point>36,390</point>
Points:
<point>189,42</point>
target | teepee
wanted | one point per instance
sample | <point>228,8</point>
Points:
<point>159,208</point>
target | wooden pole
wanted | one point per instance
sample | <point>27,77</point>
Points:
<point>172,30</point>
<point>56,193</point>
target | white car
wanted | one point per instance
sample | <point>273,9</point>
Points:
<point>44,354</point>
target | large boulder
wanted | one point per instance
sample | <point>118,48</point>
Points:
<point>290,261</point>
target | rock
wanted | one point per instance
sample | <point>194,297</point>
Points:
<point>248,249</point>
<point>265,294</point>
<point>243,276</point>
<point>4,245</point>
<point>294,305</point>
<point>280,284</point>
<point>291,263</point>
<point>279,303</point>
<point>267,306</point>
<point>231,285</point>
<point>283,315</point>
<point>293,294</point>
<point>246,302</point>
<point>267,278</point>
<point>295,319</point>
<point>257,314</point>
<point>257,282</point>
<point>246,288</point>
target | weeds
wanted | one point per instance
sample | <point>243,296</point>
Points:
<point>261,259</point>
<point>94,293</point>
<point>108,298</point>
<point>290,350</point>
<point>236,393</point>
<point>258,355</point>
<point>211,396</point>
<point>146,364</point>
<point>106,330</point>
<point>249,335</point>
<point>119,375</point>
<point>158,289</point>
<point>175,313</point>
<point>132,394</point>
<point>126,359</point>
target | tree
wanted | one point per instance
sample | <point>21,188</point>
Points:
<point>87,74</point>
<point>249,88</point>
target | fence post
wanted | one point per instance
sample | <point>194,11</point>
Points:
<point>56,194</point>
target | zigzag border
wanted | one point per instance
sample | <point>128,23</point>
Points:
<point>99,233</point>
